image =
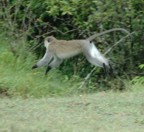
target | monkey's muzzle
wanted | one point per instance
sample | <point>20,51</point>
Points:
<point>35,66</point>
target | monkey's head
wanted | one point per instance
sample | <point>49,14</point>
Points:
<point>50,39</point>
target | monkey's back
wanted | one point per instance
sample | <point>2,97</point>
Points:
<point>65,49</point>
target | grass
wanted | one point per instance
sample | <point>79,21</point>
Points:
<point>101,112</point>
<point>33,83</point>
<point>18,79</point>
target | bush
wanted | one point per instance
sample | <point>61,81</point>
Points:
<point>32,20</point>
<point>139,79</point>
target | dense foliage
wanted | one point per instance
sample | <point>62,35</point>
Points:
<point>74,19</point>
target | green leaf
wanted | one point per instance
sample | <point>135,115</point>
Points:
<point>141,66</point>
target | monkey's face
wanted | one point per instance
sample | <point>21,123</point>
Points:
<point>48,40</point>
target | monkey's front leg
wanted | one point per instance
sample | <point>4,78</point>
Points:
<point>47,69</point>
<point>42,62</point>
<point>35,66</point>
<point>55,62</point>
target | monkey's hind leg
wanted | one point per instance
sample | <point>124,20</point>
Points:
<point>112,71</point>
<point>106,71</point>
<point>109,71</point>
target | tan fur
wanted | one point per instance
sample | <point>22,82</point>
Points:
<point>65,49</point>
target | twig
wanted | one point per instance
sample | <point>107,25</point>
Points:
<point>89,75</point>
<point>118,43</point>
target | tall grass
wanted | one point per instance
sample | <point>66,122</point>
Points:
<point>17,78</point>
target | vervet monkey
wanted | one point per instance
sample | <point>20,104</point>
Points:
<point>58,50</point>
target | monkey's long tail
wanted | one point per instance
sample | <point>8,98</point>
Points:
<point>107,31</point>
